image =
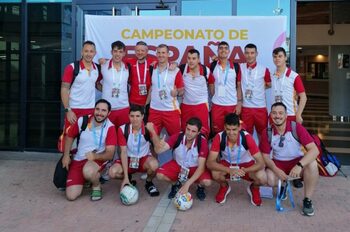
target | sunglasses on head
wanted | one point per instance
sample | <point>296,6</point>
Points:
<point>281,142</point>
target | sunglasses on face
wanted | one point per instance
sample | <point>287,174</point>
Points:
<point>281,142</point>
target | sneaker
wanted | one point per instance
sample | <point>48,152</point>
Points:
<point>308,209</point>
<point>298,183</point>
<point>151,189</point>
<point>254,193</point>
<point>96,195</point>
<point>174,189</point>
<point>283,194</point>
<point>221,195</point>
<point>200,193</point>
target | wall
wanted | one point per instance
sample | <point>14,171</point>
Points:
<point>318,35</point>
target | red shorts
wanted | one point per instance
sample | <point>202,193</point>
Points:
<point>119,117</point>
<point>75,173</point>
<point>242,165</point>
<point>218,114</point>
<point>200,111</point>
<point>141,168</point>
<point>254,117</point>
<point>286,165</point>
<point>79,113</point>
<point>170,120</point>
<point>172,170</point>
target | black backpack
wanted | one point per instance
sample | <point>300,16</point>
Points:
<point>214,63</point>
<point>147,135</point>
<point>77,69</point>
<point>60,174</point>
<point>223,141</point>
<point>205,73</point>
<point>181,136</point>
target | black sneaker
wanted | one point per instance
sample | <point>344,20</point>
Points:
<point>308,209</point>
<point>283,193</point>
<point>298,183</point>
<point>133,182</point>
<point>200,193</point>
<point>174,189</point>
<point>151,189</point>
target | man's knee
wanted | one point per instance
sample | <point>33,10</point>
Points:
<point>90,170</point>
<point>152,164</point>
<point>260,177</point>
<point>217,175</point>
<point>206,182</point>
<point>73,192</point>
<point>116,171</point>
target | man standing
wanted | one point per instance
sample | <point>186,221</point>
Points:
<point>190,153</point>
<point>255,78</point>
<point>195,100</point>
<point>96,146</point>
<point>239,158</point>
<point>225,88</point>
<point>288,160</point>
<point>135,155</point>
<point>285,82</point>
<point>166,86</point>
<point>114,85</point>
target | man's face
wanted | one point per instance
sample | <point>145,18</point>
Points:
<point>232,132</point>
<point>250,55</point>
<point>279,59</point>
<point>191,132</point>
<point>101,112</point>
<point>279,115</point>
<point>135,118</point>
<point>117,55</point>
<point>88,52</point>
<point>162,55</point>
<point>223,51</point>
<point>193,60</point>
<point>141,52</point>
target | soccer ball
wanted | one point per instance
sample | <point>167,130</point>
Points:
<point>183,201</point>
<point>129,195</point>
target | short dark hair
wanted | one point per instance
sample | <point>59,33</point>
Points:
<point>89,42</point>
<point>194,121</point>
<point>104,101</point>
<point>164,46</point>
<point>232,119</point>
<point>223,43</point>
<point>251,45</point>
<point>279,104</point>
<point>278,50</point>
<point>194,51</point>
<point>118,44</point>
<point>135,108</point>
<point>142,43</point>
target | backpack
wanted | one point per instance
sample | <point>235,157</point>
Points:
<point>223,141</point>
<point>214,63</point>
<point>60,174</point>
<point>328,164</point>
<point>77,69</point>
<point>147,135</point>
<point>205,73</point>
<point>181,136</point>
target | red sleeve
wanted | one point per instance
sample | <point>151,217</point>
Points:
<point>151,59</point>
<point>211,78</point>
<point>111,138</point>
<point>253,148</point>
<point>239,74</point>
<point>267,76</point>
<point>264,145</point>
<point>204,148</point>
<point>68,74</point>
<point>179,83</point>
<point>298,85</point>
<point>215,146</point>
<point>304,136</point>
<point>120,138</point>
<point>73,130</point>
<point>172,140</point>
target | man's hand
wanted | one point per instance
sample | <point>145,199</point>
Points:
<point>173,65</point>
<point>150,127</point>
<point>184,188</point>
<point>91,156</point>
<point>125,181</point>
<point>102,61</point>
<point>174,92</point>
<point>66,161</point>
<point>281,174</point>
<point>299,119</point>
<point>237,172</point>
<point>295,172</point>
<point>238,108</point>
<point>71,117</point>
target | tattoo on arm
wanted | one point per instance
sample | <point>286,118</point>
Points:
<point>65,85</point>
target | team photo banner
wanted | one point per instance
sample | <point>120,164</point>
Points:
<point>182,33</point>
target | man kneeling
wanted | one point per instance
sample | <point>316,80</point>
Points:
<point>234,155</point>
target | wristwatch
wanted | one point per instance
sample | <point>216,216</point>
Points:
<point>67,109</point>
<point>300,165</point>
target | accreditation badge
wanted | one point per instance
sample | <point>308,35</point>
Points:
<point>115,92</point>
<point>134,162</point>
<point>234,177</point>
<point>142,89</point>
<point>278,98</point>
<point>248,94</point>
<point>162,94</point>
<point>183,175</point>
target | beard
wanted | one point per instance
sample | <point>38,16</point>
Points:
<point>101,120</point>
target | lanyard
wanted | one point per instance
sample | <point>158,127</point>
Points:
<point>184,156</point>
<point>95,135</point>
<point>226,72</point>
<point>144,73</point>
<point>165,77</point>
<point>280,87</point>
<point>287,189</point>
<point>239,151</point>
<point>250,70</point>
<point>138,139</point>
<point>117,81</point>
